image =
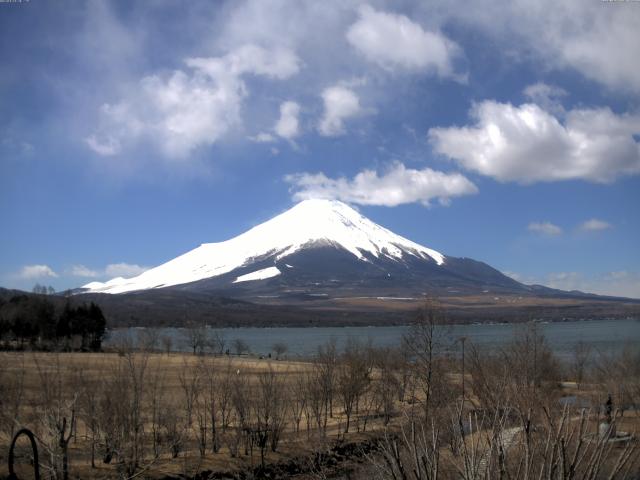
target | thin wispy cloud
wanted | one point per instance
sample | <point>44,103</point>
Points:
<point>619,283</point>
<point>83,271</point>
<point>548,97</point>
<point>121,269</point>
<point>545,228</point>
<point>263,137</point>
<point>616,283</point>
<point>124,270</point>
<point>595,225</point>
<point>578,36</point>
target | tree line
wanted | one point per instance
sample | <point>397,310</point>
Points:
<point>33,321</point>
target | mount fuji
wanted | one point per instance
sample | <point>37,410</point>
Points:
<point>323,263</point>
<point>318,248</point>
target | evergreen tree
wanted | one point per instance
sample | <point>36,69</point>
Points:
<point>97,327</point>
<point>63,328</point>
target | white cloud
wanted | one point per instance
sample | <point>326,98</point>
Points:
<point>395,42</point>
<point>288,125</point>
<point>124,270</point>
<point>106,146</point>
<point>112,270</point>
<point>598,39</point>
<point>279,63</point>
<point>594,225</point>
<point>527,144</point>
<point>189,109</point>
<point>29,272</point>
<point>263,137</point>
<point>83,271</point>
<point>396,186</point>
<point>340,103</point>
<point>546,228</point>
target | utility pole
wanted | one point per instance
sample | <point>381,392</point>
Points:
<point>462,340</point>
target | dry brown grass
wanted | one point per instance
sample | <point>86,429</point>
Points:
<point>172,367</point>
<point>175,366</point>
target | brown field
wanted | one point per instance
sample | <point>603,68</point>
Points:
<point>489,307</point>
<point>151,414</point>
<point>68,367</point>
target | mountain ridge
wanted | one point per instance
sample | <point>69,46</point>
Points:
<point>305,225</point>
<point>323,254</point>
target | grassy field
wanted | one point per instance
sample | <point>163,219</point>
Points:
<point>77,374</point>
<point>155,415</point>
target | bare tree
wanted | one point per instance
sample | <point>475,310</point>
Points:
<point>353,375</point>
<point>325,364</point>
<point>279,348</point>
<point>156,400</point>
<point>426,342</point>
<point>387,387</point>
<point>148,339</point>
<point>57,415</point>
<point>618,374</point>
<point>532,368</point>
<point>216,342</point>
<point>189,378</point>
<point>89,403</point>
<point>270,411</point>
<point>210,402</point>
<point>136,367</point>
<point>317,399</point>
<point>12,386</point>
<point>174,431</point>
<point>203,416</point>
<point>167,343</point>
<point>298,399</point>
<point>558,445</point>
<point>580,362</point>
<point>121,413</point>
<point>224,391</point>
<point>196,337</point>
<point>240,346</point>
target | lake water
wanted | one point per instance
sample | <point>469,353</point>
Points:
<point>601,335</point>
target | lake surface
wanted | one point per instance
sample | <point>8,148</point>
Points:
<point>601,335</point>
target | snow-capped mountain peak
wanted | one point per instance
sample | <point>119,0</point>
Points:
<point>307,224</point>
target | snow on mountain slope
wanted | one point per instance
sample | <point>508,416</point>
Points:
<point>307,223</point>
<point>258,275</point>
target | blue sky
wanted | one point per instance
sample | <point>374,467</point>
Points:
<point>508,132</point>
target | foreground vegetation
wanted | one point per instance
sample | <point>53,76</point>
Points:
<point>514,413</point>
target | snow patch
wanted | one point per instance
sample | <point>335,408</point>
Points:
<point>258,275</point>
